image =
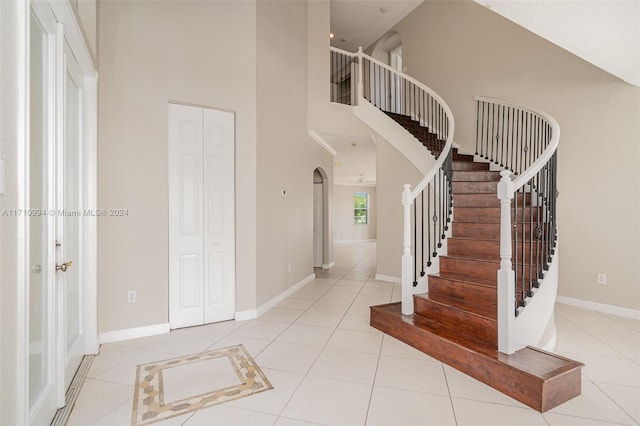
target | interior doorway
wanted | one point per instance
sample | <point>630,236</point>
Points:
<point>318,219</point>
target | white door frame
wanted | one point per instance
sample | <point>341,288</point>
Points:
<point>67,31</point>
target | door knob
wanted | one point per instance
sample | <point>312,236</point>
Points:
<point>64,266</point>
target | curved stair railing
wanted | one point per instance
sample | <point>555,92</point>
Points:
<point>428,207</point>
<point>524,143</point>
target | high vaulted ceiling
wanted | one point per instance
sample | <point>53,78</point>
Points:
<point>361,22</point>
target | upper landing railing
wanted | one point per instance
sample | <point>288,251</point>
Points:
<point>356,78</point>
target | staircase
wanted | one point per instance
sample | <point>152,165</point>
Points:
<point>456,320</point>
<point>479,263</point>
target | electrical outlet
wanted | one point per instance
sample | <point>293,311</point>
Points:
<point>131,297</point>
<point>602,279</point>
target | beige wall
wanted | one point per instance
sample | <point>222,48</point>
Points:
<point>461,49</point>
<point>393,171</point>
<point>152,53</point>
<point>287,156</point>
<point>343,227</point>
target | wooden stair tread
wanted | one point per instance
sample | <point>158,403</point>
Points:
<point>464,279</point>
<point>539,379</point>
<point>480,310</point>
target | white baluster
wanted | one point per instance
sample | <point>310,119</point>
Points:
<point>506,280</point>
<point>407,258</point>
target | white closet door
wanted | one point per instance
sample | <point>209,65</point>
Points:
<point>201,216</point>
<point>186,302</point>
<point>219,225</point>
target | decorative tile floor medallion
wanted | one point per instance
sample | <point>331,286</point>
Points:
<point>150,405</point>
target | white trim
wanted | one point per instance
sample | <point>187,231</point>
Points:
<point>255,313</point>
<point>316,137</point>
<point>600,307</point>
<point>328,265</point>
<point>246,315</point>
<point>133,333</point>
<point>288,292</point>
<point>354,241</point>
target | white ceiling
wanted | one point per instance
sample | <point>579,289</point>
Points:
<point>605,33</point>
<point>361,22</point>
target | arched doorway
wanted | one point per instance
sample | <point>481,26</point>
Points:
<point>318,219</point>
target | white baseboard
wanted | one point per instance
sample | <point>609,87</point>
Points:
<point>328,265</point>
<point>133,333</point>
<point>288,292</point>
<point>600,307</point>
<point>255,313</point>
<point>388,278</point>
<point>353,241</point>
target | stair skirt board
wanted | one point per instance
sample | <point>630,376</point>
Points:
<point>539,379</point>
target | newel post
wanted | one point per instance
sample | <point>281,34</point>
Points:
<point>506,280</point>
<point>407,258</point>
<point>360,66</point>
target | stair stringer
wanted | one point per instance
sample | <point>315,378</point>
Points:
<point>396,135</point>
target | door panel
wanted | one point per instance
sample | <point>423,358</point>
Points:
<point>219,202</point>
<point>186,306</point>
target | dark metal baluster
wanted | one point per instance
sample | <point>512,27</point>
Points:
<point>415,245</point>
<point>502,140</point>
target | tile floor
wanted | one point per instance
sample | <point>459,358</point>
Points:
<point>328,367</point>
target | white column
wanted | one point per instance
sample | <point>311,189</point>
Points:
<point>407,258</point>
<point>506,280</point>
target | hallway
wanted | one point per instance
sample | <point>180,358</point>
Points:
<point>328,367</point>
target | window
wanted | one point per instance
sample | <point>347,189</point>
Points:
<point>360,208</point>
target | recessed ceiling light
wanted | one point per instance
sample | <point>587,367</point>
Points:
<point>383,10</point>
<point>331,35</point>
<point>337,164</point>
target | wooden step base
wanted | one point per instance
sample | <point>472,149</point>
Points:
<point>536,378</point>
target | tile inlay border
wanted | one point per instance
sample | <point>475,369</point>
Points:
<point>149,405</point>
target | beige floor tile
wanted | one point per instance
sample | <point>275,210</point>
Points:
<point>346,365</point>
<point>478,413</point>
<point>253,346</point>
<point>329,402</point>
<point>293,303</point>
<point>609,370</point>
<point>121,415</point>
<point>258,329</point>
<point>394,347</point>
<point>97,399</point>
<point>274,400</point>
<point>350,283</point>
<point>357,341</point>
<point>147,343</point>
<point>562,420</point>
<point>185,381</point>
<point>188,341</point>
<point>288,357</point>
<point>111,355</point>
<point>581,342</point>
<point>320,319</point>
<point>626,397</point>
<point>341,291</point>
<point>306,335</point>
<point>331,306</point>
<point>362,309</point>
<point>286,421</point>
<point>463,386</point>
<point>372,299</point>
<point>593,404</point>
<point>225,415</point>
<point>394,407</point>
<point>281,315</point>
<point>411,374</point>
<point>125,373</point>
<point>357,323</point>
